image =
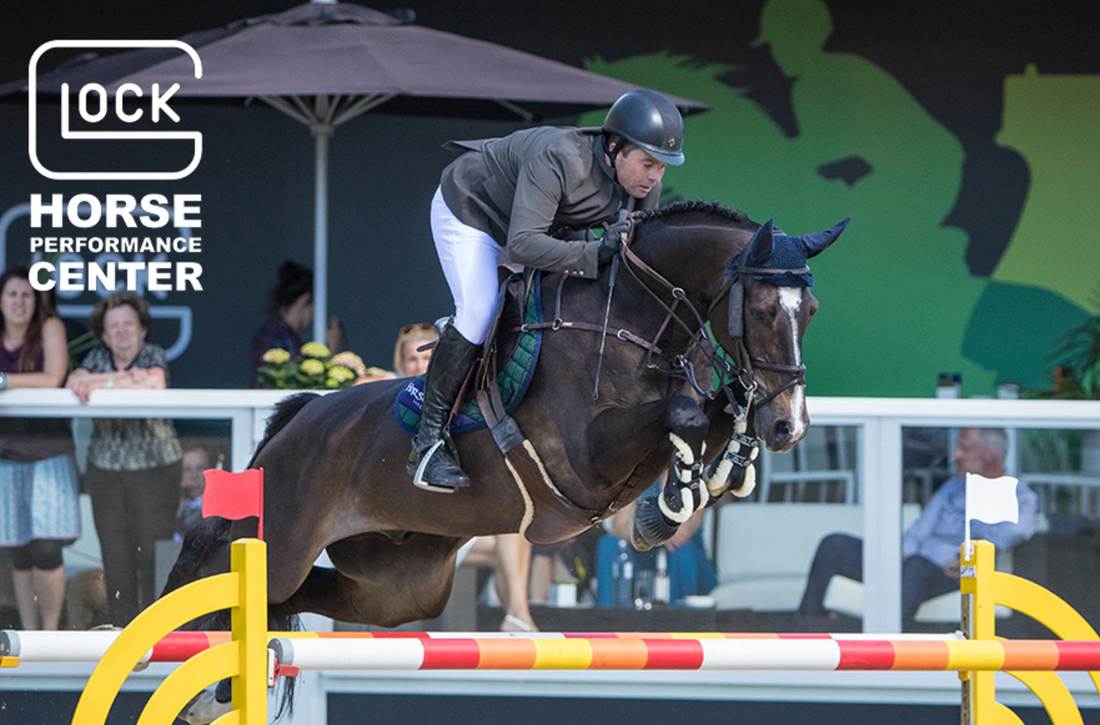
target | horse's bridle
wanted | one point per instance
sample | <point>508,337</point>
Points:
<point>733,288</point>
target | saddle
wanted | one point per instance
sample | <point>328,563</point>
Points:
<point>513,352</point>
<point>491,396</point>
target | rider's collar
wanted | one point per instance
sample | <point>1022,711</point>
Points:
<point>600,153</point>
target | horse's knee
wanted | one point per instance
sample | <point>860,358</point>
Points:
<point>685,418</point>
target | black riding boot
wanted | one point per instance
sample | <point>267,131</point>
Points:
<point>451,361</point>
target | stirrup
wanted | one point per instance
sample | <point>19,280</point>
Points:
<point>418,479</point>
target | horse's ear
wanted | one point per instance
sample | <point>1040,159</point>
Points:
<point>814,244</point>
<point>760,246</point>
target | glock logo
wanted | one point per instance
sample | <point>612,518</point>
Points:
<point>94,105</point>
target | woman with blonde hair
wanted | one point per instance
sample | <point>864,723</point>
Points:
<point>408,360</point>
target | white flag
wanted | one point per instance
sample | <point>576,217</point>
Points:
<point>991,500</point>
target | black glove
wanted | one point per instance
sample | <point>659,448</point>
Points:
<point>610,245</point>
<point>612,240</point>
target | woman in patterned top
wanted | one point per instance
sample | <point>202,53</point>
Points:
<point>133,464</point>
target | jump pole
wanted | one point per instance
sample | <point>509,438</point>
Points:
<point>686,654</point>
<point>37,646</point>
<point>150,637</point>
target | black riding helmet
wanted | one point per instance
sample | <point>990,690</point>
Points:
<point>650,121</point>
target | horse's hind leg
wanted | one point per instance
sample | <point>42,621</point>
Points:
<point>380,582</point>
<point>205,551</point>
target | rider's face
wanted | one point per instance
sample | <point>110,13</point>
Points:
<point>638,172</point>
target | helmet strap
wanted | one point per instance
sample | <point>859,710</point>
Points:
<point>613,153</point>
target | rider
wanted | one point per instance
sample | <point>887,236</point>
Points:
<point>512,201</point>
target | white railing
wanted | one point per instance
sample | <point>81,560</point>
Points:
<point>247,410</point>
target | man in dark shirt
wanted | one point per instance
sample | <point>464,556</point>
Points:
<point>511,201</point>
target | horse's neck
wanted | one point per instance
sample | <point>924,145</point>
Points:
<point>693,256</point>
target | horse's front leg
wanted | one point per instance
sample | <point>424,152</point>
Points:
<point>657,519</point>
<point>733,437</point>
<point>684,492</point>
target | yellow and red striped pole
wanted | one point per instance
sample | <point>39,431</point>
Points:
<point>713,653</point>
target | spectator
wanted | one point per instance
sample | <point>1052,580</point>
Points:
<point>690,571</point>
<point>509,556</point>
<point>133,465</point>
<point>408,360</point>
<point>196,459</point>
<point>930,548</point>
<point>290,310</point>
<point>38,479</point>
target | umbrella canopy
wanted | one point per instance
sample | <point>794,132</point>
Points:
<point>326,63</point>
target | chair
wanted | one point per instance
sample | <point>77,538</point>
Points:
<point>818,466</point>
<point>764,550</point>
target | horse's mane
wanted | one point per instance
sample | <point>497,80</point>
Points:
<point>677,208</point>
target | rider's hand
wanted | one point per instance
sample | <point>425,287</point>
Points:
<point>612,240</point>
<point>609,247</point>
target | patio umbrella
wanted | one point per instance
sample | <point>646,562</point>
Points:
<point>324,64</point>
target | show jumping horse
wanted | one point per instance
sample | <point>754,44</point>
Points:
<point>334,465</point>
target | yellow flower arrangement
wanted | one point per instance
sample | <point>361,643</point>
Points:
<point>315,350</point>
<point>276,356</point>
<point>315,368</point>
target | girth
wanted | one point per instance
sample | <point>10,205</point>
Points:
<point>549,516</point>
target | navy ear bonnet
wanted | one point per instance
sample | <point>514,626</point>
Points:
<point>770,248</point>
<point>786,254</point>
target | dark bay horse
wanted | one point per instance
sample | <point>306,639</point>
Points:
<point>334,465</point>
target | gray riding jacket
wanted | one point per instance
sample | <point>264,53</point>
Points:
<point>530,189</point>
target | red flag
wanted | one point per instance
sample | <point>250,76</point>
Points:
<point>234,495</point>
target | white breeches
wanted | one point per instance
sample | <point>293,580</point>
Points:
<point>470,258</point>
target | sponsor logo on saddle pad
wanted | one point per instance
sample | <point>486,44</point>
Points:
<point>513,379</point>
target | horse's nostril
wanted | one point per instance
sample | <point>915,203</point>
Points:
<point>783,428</point>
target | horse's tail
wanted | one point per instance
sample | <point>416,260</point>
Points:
<point>285,409</point>
<point>278,620</point>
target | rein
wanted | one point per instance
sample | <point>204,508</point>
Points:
<point>681,364</point>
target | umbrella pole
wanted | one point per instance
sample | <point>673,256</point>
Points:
<point>321,135</point>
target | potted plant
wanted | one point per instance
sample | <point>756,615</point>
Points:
<point>315,368</point>
<point>1076,376</point>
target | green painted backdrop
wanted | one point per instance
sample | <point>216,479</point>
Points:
<point>899,303</point>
